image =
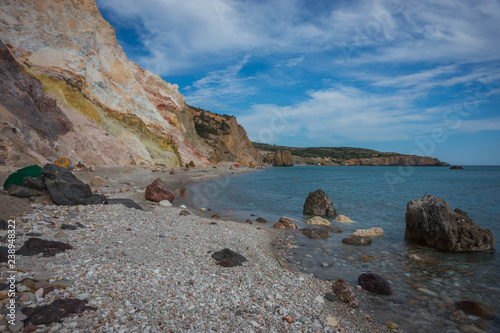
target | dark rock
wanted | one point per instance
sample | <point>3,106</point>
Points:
<point>22,191</point>
<point>461,212</point>
<point>34,246</point>
<point>34,234</point>
<point>344,293</point>
<point>330,297</point>
<point>68,227</point>
<point>248,221</point>
<point>316,233</point>
<point>96,199</point>
<point>4,251</point>
<point>318,204</point>
<point>357,240</point>
<point>430,221</point>
<point>34,183</point>
<point>184,212</point>
<point>456,167</point>
<point>56,311</point>
<point>158,191</point>
<point>260,220</point>
<point>375,283</point>
<point>472,308</point>
<point>334,229</point>
<point>213,223</point>
<point>215,216</point>
<point>79,225</point>
<point>283,158</point>
<point>4,225</point>
<point>129,203</point>
<point>65,189</point>
<point>228,258</point>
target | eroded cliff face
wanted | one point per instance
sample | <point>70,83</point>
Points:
<point>114,112</point>
<point>404,160</point>
<point>222,139</point>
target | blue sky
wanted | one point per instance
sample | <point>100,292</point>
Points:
<point>414,77</point>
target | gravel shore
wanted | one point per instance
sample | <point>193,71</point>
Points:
<point>152,271</point>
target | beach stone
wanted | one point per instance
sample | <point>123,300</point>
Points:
<point>165,203</point>
<point>248,221</point>
<point>372,232</point>
<point>285,219</point>
<point>316,233</point>
<point>34,246</point>
<point>472,308</point>
<point>330,297</point>
<point>343,219</point>
<point>18,325</point>
<point>344,293</point>
<point>24,298</point>
<point>61,234</point>
<point>470,329</point>
<point>184,213</point>
<point>332,322</point>
<point>215,216</point>
<point>391,325</point>
<point>129,203</point>
<point>56,311</point>
<point>97,181</point>
<point>30,328</point>
<point>279,225</point>
<point>4,225</point>
<point>22,191</point>
<point>318,220</point>
<point>285,225</point>
<point>459,316</point>
<point>66,189</point>
<point>375,283</point>
<point>357,241</point>
<point>35,183</point>
<point>65,226</point>
<point>260,220</point>
<point>430,221</point>
<point>158,191</point>
<point>228,258</point>
<point>61,284</point>
<point>317,203</point>
<point>320,299</point>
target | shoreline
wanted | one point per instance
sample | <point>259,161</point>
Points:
<point>117,241</point>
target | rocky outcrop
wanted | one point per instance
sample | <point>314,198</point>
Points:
<point>222,139</point>
<point>67,89</point>
<point>283,158</point>
<point>404,160</point>
<point>430,220</point>
<point>318,204</point>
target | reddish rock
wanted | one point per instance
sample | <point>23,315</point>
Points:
<point>472,308</point>
<point>158,191</point>
<point>375,283</point>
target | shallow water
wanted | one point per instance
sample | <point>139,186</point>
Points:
<point>425,287</point>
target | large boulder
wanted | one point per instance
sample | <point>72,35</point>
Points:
<point>318,204</point>
<point>283,158</point>
<point>431,221</point>
<point>158,191</point>
<point>65,189</point>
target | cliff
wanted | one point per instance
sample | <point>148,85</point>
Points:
<point>222,139</point>
<point>345,156</point>
<point>109,110</point>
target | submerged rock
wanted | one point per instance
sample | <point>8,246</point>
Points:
<point>472,308</point>
<point>357,241</point>
<point>260,220</point>
<point>316,233</point>
<point>228,258</point>
<point>430,220</point>
<point>375,283</point>
<point>158,191</point>
<point>318,204</point>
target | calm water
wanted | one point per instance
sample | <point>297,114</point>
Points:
<point>424,290</point>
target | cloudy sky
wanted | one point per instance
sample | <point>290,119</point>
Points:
<point>416,77</point>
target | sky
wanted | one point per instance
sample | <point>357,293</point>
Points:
<point>413,77</point>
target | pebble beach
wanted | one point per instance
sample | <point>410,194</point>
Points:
<point>152,270</point>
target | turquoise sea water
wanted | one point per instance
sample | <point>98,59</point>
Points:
<point>424,290</point>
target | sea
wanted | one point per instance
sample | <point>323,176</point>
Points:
<point>425,282</point>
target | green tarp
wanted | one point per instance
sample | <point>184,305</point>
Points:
<point>17,177</point>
